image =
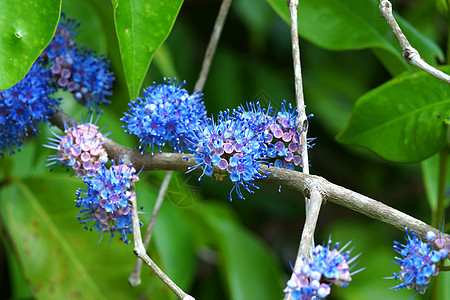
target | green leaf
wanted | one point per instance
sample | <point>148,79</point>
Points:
<point>43,247</point>
<point>60,259</point>
<point>349,24</point>
<point>402,120</point>
<point>249,268</point>
<point>141,27</point>
<point>26,29</point>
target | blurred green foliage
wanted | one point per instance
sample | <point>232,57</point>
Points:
<point>213,248</point>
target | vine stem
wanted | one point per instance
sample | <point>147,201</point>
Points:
<point>410,54</point>
<point>141,253</point>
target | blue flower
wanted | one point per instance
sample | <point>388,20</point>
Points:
<point>240,140</point>
<point>23,106</point>
<point>78,70</point>
<point>234,143</point>
<point>327,266</point>
<point>417,262</point>
<point>105,200</point>
<point>167,114</point>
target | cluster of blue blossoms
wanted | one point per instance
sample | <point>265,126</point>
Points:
<point>105,200</point>
<point>238,142</point>
<point>77,69</point>
<point>420,260</point>
<point>23,106</point>
<point>104,203</point>
<point>167,114</point>
<point>62,65</point>
<point>327,266</point>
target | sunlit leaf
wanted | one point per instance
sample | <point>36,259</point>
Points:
<point>141,27</point>
<point>349,24</point>
<point>402,120</point>
<point>26,29</point>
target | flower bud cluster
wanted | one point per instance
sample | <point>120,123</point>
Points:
<point>327,266</point>
<point>76,69</point>
<point>242,139</point>
<point>167,114</point>
<point>105,200</point>
<point>418,261</point>
<point>23,106</point>
<point>81,148</point>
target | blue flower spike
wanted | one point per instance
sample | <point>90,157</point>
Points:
<point>166,115</point>
<point>327,266</point>
<point>78,70</point>
<point>419,260</point>
<point>105,200</point>
<point>240,140</point>
<point>81,148</point>
<point>23,106</point>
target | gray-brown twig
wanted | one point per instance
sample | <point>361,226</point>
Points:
<point>135,276</point>
<point>212,45</point>
<point>141,253</point>
<point>410,54</point>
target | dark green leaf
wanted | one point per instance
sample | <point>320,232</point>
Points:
<point>349,24</point>
<point>141,27</point>
<point>43,247</point>
<point>59,258</point>
<point>242,257</point>
<point>402,120</point>
<point>26,29</point>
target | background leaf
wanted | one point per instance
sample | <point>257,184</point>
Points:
<point>26,29</point>
<point>402,120</point>
<point>241,258</point>
<point>348,24</point>
<point>141,27</point>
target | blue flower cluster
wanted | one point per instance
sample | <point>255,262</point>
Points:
<point>105,200</point>
<point>418,261</point>
<point>239,141</point>
<point>23,106</point>
<point>78,70</point>
<point>327,266</point>
<point>167,114</point>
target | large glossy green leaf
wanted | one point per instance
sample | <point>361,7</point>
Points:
<point>349,24</point>
<point>42,246</point>
<point>58,257</point>
<point>26,29</point>
<point>250,270</point>
<point>141,27</point>
<point>402,120</point>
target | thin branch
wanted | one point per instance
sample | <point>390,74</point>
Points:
<point>135,276</point>
<point>410,54</point>
<point>302,120</point>
<point>306,243</point>
<point>211,49</point>
<point>287,178</point>
<point>313,203</point>
<point>141,253</point>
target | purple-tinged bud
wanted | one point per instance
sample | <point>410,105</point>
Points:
<point>81,148</point>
